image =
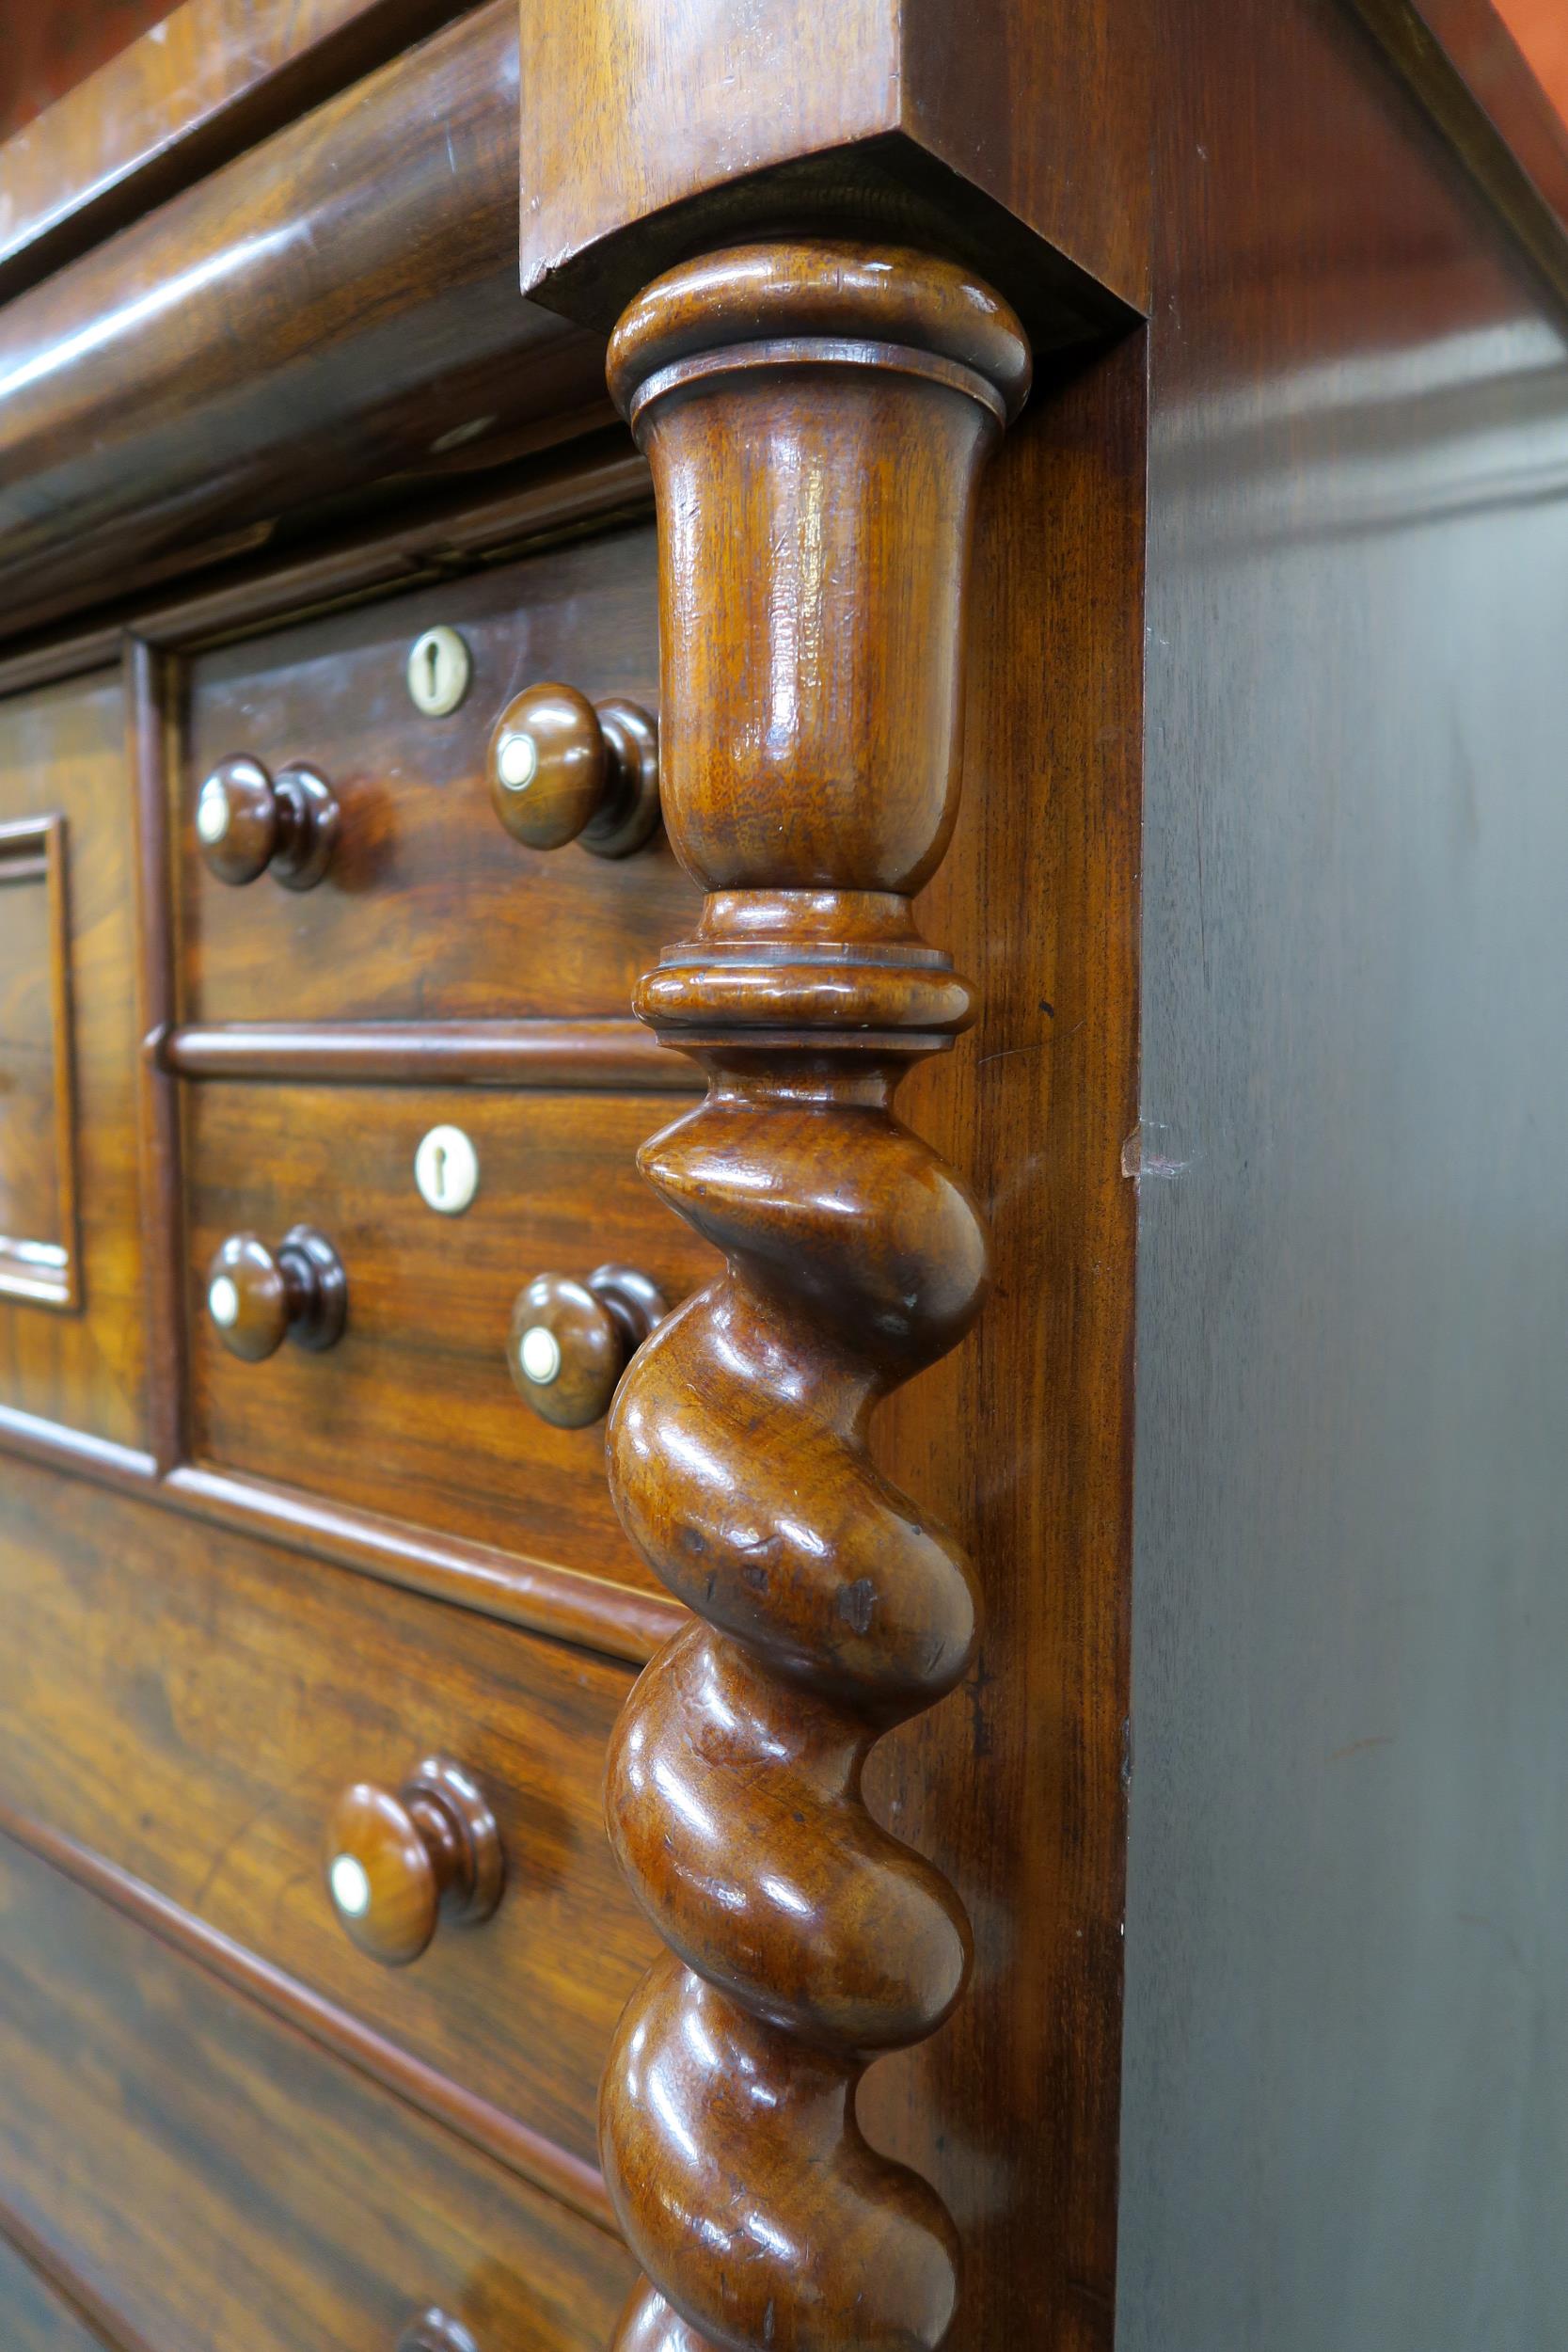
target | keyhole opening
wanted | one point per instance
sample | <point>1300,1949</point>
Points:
<point>433,660</point>
<point>440,1158</point>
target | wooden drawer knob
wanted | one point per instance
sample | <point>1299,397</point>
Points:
<point>258,1298</point>
<point>570,1342</point>
<point>564,768</point>
<point>250,823</point>
<point>395,1864</point>
<point>433,2331</point>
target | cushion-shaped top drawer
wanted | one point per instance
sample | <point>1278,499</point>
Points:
<point>427,909</point>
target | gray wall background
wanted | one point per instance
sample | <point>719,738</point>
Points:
<point>1346,2057</point>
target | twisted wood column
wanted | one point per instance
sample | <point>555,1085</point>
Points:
<point>815,416</point>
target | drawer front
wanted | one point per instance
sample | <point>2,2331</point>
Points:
<point>35,2318</point>
<point>414,1412</point>
<point>429,910</point>
<point>218,2181</point>
<point>191,1706</point>
<point>73,1313</point>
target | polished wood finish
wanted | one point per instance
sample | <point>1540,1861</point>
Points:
<point>150,684</point>
<point>339,2031</point>
<point>41,1248</point>
<point>570,1342</point>
<point>231,1592</point>
<point>222,2181</point>
<point>428,911</point>
<point>816,417</point>
<point>1017,1785</point>
<point>62,782</point>
<point>1466,70</point>
<point>49,53</point>
<point>41,2316</point>
<point>512,1585</point>
<point>258,1298</point>
<point>413,1414</point>
<point>398,1863</point>
<point>690,127</point>
<point>539,1053</point>
<point>249,823</point>
<point>139,431</point>
<point>190,1706</point>
<point>433,2331</point>
<point>203,81</point>
<point>564,768</point>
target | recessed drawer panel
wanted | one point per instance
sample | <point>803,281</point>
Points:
<point>217,2179</point>
<point>414,1412</point>
<point>428,908</point>
<point>72,1308</point>
<point>194,1707</point>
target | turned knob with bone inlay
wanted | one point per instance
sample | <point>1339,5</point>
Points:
<point>258,1298</point>
<point>570,1342</point>
<point>398,1863</point>
<point>249,822</point>
<point>564,768</point>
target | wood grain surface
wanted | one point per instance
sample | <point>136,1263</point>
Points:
<point>62,751</point>
<point>221,2179</point>
<point>817,416</point>
<point>38,2318</point>
<point>413,1413</point>
<point>40,1247</point>
<point>192,1705</point>
<point>1011,135</point>
<point>1022,1439</point>
<point>128,130</point>
<point>429,910</point>
<point>52,51</point>
<point>320,313</point>
<point>1468,73</point>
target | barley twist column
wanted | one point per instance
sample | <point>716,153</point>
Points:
<point>817,416</point>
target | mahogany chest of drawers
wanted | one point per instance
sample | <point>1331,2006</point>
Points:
<point>781,1349</point>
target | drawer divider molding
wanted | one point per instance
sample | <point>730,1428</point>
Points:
<point>152,687</point>
<point>78,1450</point>
<point>495,2134</point>
<point>66,2283</point>
<point>591,1053</point>
<point>614,1619</point>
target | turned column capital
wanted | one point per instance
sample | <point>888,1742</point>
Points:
<point>816,414</point>
<point>750,304</point>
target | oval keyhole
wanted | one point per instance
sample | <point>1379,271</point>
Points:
<point>446,1170</point>
<point>438,670</point>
